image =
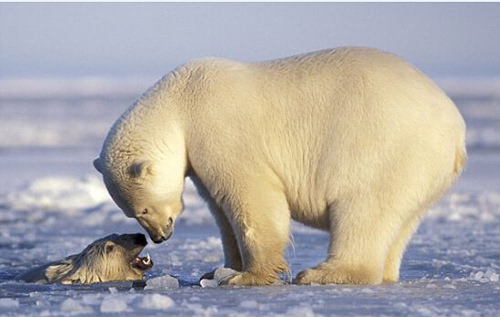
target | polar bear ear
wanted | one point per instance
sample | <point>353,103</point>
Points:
<point>98,165</point>
<point>142,169</point>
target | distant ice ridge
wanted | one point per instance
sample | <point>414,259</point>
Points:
<point>58,194</point>
<point>85,196</point>
<point>471,87</point>
<point>96,86</point>
<point>111,86</point>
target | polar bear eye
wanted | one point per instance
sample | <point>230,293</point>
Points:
<point>145,211</point>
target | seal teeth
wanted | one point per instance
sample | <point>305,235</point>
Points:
<point>147,260</point>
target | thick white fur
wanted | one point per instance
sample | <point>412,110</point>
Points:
<point>104,260</point>
<point>354,141</point>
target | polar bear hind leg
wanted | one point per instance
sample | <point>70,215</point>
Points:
<point>360,239</point>
<point>397,249</point>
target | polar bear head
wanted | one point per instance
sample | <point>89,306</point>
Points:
<point>149,191</point>
<point>143,161</point>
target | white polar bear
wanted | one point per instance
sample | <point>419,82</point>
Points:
<point>354,141</point>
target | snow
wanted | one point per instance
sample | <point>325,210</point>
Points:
<point>8,303</point>
<point>70,305</point>
<point>113,305</point>
<point>53,203</point>
<point>156,302</point>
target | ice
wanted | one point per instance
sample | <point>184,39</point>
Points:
<point>249,304</point>
<point>301,311</point>
<point>113,305</point>
<point>72,306</point>
<point>8,303</point>
<point>156,302</point>
<point>162,282</point>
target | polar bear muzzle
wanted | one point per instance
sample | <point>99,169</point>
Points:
<point>158,234</point>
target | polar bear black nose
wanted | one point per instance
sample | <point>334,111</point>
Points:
<point>159,239</point>
<point>140,239</point>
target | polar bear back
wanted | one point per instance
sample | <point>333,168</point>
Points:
<point>323,125</point>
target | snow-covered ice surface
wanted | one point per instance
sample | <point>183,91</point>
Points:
<point>52,204</point>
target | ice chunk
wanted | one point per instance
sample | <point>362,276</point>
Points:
<point>478,276</point>
<point>367,291</point>
<point>490,275</point>
<point>113,305</point>
<point>494,277</point>
<point>8,303</point>
<point>91,299</point>
<point>162,282</point>
<point>156,301</point>
<point>209,283</point>
<point>219,274</point>
<point>71,305</point>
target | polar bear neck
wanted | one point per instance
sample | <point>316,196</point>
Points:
<point>143,130</point>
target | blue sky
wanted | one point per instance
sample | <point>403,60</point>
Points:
<point>137,39</point>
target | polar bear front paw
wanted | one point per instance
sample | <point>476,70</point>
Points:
<point>333,274</point>
<point>247,279</point>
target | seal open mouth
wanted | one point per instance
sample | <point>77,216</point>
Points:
<point>142,263</point>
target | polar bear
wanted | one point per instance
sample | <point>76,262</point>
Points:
<point>354,141</point>
<point>112,258</point>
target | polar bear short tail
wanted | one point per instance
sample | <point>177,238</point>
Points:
<point>460,159</point>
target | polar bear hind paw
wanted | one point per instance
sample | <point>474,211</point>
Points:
<point>327,274</point>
